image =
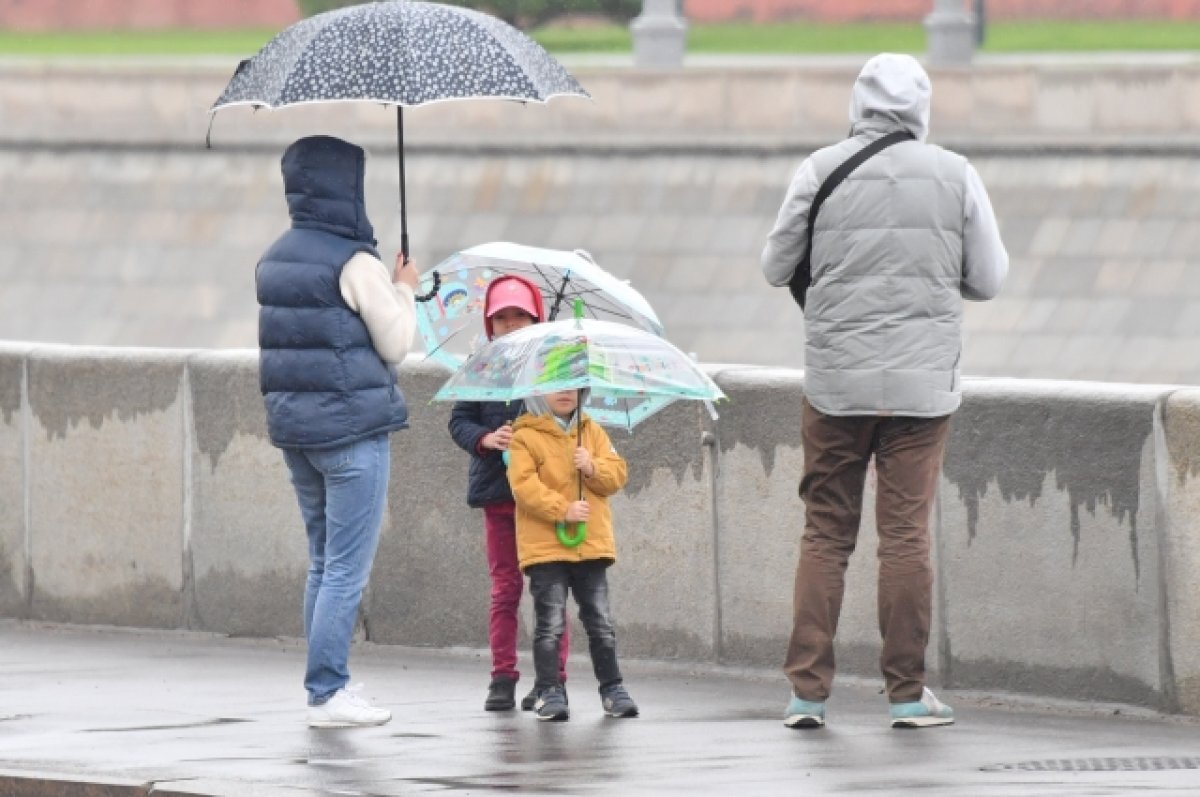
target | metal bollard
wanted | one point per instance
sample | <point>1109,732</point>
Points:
<point>659,36</point>
<point>950,33</point>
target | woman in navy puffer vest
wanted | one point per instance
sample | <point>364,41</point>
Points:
<point>333,323</point>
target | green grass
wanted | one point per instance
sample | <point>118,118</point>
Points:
<point>797,38</point>
<point>1012,37</point>
<point>790,38</point>
<point>134,43</point>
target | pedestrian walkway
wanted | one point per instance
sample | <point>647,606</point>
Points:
<point>200,714</point>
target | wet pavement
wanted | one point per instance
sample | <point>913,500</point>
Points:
<point>202,714</point>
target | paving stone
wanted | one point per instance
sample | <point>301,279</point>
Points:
<point>1067,276</point>
<point>1185,242</point>
<point>989,354</point>
<point>1116,237</point>
<point>1041,351</point>
<point>1153,237</point>
<point>1153,316</point>
<point>1086,354</point>
<point>571,232</point>
<point>1081,238</point>
<point>1158,278</point>
<point>1089,316</point>
<point>1048,240</point>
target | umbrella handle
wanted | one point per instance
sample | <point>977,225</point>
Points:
<point>568,540</point>
<point>437,285</point>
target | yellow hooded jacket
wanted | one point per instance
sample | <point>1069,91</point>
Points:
<point>545,482</point>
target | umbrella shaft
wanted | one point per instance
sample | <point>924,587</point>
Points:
<point>403,199</point>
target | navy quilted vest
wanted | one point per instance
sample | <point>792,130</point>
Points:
<point>323,382</point>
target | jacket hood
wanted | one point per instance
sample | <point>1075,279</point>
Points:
<point>543,420</point>
<point>892,92</point>
<point>323,182</point>
<point>537,406</point>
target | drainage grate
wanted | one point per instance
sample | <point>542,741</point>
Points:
<point>1140,764</point>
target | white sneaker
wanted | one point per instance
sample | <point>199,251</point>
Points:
<point>347,709</point>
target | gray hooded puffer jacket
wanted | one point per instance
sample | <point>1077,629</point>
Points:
<point>889,265</point>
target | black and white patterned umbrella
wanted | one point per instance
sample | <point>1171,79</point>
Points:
<point>398,52</point>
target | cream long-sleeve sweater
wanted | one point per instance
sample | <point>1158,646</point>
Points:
<point>387,308</point>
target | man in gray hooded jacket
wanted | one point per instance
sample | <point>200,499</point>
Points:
<point>896,248</point>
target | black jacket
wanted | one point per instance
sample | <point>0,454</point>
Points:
<point>469,422</point>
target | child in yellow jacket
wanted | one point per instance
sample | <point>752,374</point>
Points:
<point>548,457</point>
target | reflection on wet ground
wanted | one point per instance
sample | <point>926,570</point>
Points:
<point>227,716</point>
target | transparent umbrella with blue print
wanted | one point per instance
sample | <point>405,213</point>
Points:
<point>451,325</point>
<point>635,373</point>
<point>397,52</point>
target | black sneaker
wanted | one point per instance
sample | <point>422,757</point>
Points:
<point>551,705</point>
<point>528,701</point>
<point>501,695</point>
<point>617,702</point>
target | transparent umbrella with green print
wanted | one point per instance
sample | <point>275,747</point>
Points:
<point>633,373</point>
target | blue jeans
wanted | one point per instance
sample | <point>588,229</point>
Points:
<point>548,584</point>
<point>342,492</point>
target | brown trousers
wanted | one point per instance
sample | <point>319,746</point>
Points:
<point>908,458</point>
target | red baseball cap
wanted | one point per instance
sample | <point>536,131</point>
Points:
<point>512,291</point>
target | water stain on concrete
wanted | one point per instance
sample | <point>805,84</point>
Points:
<point>1076,683</point>
<point>12,597</point>
<point>647,641</point>
<point>238,603</point>
<point>148,603</point>
<point>853,658</point>
<point>742,420</point>
<point>753,650</point>
<point>1093,447</point>
<point>65,392</point>
<point>1182,424</point>
<point>11,374</point>
<point>662,443</point>
<point>1188,693</point>
<point>226,401</point>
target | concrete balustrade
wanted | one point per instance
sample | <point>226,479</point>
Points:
<point>737,102</point>
<point>139,490</point>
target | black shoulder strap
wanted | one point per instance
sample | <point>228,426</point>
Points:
<point>802,278</point>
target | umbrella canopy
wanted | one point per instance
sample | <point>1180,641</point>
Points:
<point>451,325</point>
<point>631,373</point>
<point>399,52</point>
<point>402,53</point>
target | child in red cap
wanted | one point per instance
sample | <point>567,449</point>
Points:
<point>484,429</point>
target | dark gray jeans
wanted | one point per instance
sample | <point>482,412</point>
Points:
<point>548,584</point>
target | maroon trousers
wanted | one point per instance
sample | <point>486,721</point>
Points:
<point>908,459</point>
<point>500,533</point>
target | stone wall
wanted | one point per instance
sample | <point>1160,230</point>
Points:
<point>140,491</point>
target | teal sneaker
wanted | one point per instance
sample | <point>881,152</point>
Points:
<point>804,714</point>
<point>923,713</point>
